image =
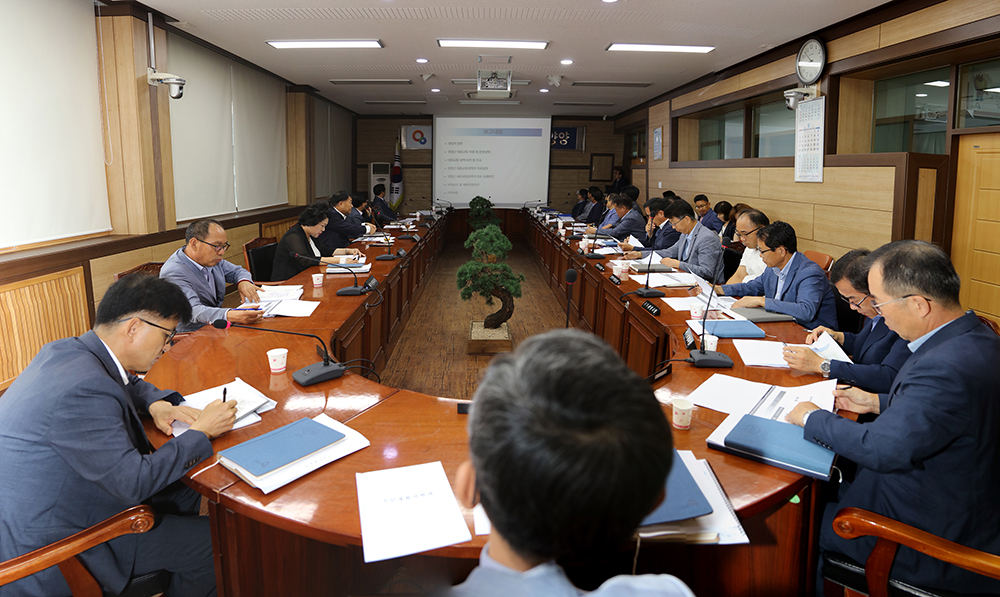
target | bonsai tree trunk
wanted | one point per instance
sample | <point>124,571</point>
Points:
<point>495,320</point>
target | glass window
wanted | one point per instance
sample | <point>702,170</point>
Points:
<point>911,112</point>
<point>721,137</point>
<point>773,130</point>
<point>979,94</point>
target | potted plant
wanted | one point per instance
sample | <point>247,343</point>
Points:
<point>488,276</point>
<point>481,213</point>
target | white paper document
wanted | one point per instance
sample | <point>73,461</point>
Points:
<point>826,347</point>
<point>728,394</point>
<point>249,403</point>
<point>767,353</point>
<point>636,244</point>
<point>481,521</point>
<point>671,280</point>
<point>608,251</point>
<point>357,269</point>
<point>290,308</point>
<point>408,510</point>
<point>279,293</point>
<point>684,303</point>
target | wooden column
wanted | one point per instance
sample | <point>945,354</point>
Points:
<point>136,115</point>
<point>299,131</point>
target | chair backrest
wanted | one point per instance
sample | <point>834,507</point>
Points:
<point>152,268</point>
<point>137,519</point>
<point>259,257</point>
<point>990,324</point>
<point>821,259</point>
<point>730,262</point>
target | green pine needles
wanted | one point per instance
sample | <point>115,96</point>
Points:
<point>481,213</point>
<point>487,275</point>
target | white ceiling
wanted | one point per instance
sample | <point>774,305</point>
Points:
<point>576,29</point>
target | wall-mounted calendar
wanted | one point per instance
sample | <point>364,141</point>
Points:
<point>809,129</point>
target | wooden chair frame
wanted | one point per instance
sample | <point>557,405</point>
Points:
<point>152,268</point>
<point>137,519</point>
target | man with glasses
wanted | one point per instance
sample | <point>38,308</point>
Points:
<point>660,234</point>
<point>932,457</point>
<point>748,223</point>
<point>202,274</point>
<point>792,283</point>
<point>878,352</point>
<point>73,451</point>
<point>698,250</point>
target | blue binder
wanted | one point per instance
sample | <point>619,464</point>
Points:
<point>779,444</point>
<point>269,452</point>
<point>733,328</point>
<point>684,497</point>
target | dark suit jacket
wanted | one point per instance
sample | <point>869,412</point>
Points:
<point>578,207</point>
<point>807,295</point>
<point>711,220</point>
<point>73,453</point>
<point>340,231</point>
<point>382,210</point>
<point>932,457</point>
<point>663,237</point>
<point>631,223</point>
<point>294,241</point>
<point>596,214</point>
<point>878,355</point>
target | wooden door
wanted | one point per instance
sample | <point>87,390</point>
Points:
<point>975,245</point>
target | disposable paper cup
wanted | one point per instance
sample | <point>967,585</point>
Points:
<point>276,359</point>
<point>317,279</point>
<point>584,244</point>
<point>697,312</point>
<point>559,224</point>
<point>711,342</point>
<point>681,418</point>
<point>624,275</point>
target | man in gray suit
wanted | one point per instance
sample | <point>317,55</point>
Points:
<point>630,221</point>
<point>698,250</point>
<point>202,274</point>
<point>73,451</point>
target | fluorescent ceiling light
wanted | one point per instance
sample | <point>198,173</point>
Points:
<point>807,64</point>
<point>609,1</point>
<point>938,84</point>
<point>566,62</point>
<point>483,43</point>
<point>392,102</point>
<point>371,81</point>
<point>474,81</point>
<point>472,102</point>
<point>611,84</point>
<point>435,90</point>
<point>994,90</point>
<point>544,90</point>
<point>588,104</point>
<point>659,48</point>
<point>325,43</point>
<point>421,61</point>
<point>925,95</point>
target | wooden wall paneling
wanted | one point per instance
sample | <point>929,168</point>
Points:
<point>926,190</point>
<point>37,311</point>
<point>129,111</point>
<point>563,185</point>
<point>144,168</point>
<point>103,269</point>
<point>111,121</point>
<point>721,181</point>
<point>835,251</point>
<point>278,228</point>
<point>165,153</point>
<point>299,137</point>
<point>854,122</point>
<point>706,93</point>
<point>859,42</point>
<point>626,122</point>
<point>933,19</point>
<point>859,187</point>
<point>986,297</point>
<point>846,227</point>
<point>687,139</point>
<point>763,74</point>
<point>800,215</point>
<point>987,236</point>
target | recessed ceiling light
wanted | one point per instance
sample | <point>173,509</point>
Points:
<point>609,1</point>
<point>483,43</point>
<point>925,95</point>
<point>435,90</point>
<point>659,48</point>
<point>421,61</point>
<point>938,84</point>
<point>371,81</point>
<point>325,44</point>
<point>544,90</point>
<point>567,62</point>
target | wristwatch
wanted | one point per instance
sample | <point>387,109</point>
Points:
<point>824,367</point>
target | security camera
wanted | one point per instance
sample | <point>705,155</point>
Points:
<point>175,84</point>
<point>794,96</point>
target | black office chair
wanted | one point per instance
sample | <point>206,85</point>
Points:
<point>730,262</point>
<point>259,256</point>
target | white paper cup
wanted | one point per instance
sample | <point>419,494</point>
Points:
<point>559,224</point>
<point>317,279</point>
<point>276,359</point>
<point>624,275</point>
<point>697,311</point>
<point>711,342</point>
<point>681,418</point>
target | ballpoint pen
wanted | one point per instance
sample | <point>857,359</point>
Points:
<point>224,394</point>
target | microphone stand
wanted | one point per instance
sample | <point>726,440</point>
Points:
<point>706,358</point>
<point>347,290</point>
<point>388,245</point>
<point>307,376</point>
<point>648,292</point>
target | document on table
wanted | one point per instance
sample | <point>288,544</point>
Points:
<point>357,269</point>
<point>290,308</point>
<point>765,353</point>
<point>728,394</point>
<point>721,526</point>
<point>249,400</point>
<point>608,251</point>
<point>672,280</point>
<point>408,510</point>
<point>636,244</point>
<point>685,303</point>
<point>279,293</point>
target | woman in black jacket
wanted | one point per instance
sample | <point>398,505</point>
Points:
<point>299,239</point>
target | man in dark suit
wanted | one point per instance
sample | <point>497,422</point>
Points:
<point>792,284</point>
<point>932,457</point>
<point>620,182</point>
<point>380,206</point>
<point>660,234</point>
<point>342,229</point>
<point>877,351</point>
<point>73,451</point>
<point>706,215</point>
<point>582,200</point>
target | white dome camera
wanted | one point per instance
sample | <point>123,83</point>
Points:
<point>175,84</point>
<point>794,96</point>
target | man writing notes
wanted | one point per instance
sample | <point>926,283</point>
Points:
<point>932,457</point>
<point>202,274</point>
<point>73,451</point>
<point>792,284</point>
<point>569,451</point>
<point>878,352</point>
<point>698,250</point>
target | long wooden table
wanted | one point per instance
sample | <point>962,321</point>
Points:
<point>305,537</point>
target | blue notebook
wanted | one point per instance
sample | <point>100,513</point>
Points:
<point>733,328</point>
<point>267,453</point>
<point>779,444</point>
<point>684,497</point>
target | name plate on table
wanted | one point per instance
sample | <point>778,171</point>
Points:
<point>651,308</point>
<point>600,267</point>
<point>615,280</point>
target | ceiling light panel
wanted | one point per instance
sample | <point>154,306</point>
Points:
<point>394,102</point>
<point>371,81</point>
<point>659,48</point>
<point>588,104</point>
<point>483,43</point>
<point>324,44</point>
<point>636,84</point>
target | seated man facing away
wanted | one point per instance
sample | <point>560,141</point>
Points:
<point>630,221</point>
<point>877,351</point>
<point>341,229</point>
<point>659,233</point>
<point>698,250</point>
<point>706,215</point>
<point>569,451</point>
<point>202,274</point>
<point>932,458</point>
<point>792,283</point>
<point>73,451</point>
<point>748,223</point>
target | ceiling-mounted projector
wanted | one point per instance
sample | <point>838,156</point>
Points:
<point>493,84</point>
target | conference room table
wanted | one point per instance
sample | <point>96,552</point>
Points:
<point>305,538</point>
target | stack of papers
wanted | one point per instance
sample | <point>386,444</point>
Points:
<point>685,303</point>
<point>376,240</point>
<point>249,403</point>
<point>358,268</point>
<point>279,293</point>
<point>764,353</point>
<point>728,394</point>
<point>636,244</point>
<point>289,308</point>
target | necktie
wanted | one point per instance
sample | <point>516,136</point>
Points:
<point>684,249</point>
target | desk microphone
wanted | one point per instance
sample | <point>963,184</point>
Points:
<point>648,292</point>
<point>306,376</point>
<point>571,275</point>
<point>388,256</point>
<point>701,357</point>
<point>347,290</point>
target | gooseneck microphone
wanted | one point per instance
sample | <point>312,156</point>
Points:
<point>709,358</point>
<point>306,376</point>
<point>388,256</point>
<point>571,275</point>
<point>347,290</point>
<point>648,292</point>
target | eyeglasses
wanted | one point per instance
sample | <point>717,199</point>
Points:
<point>762,251</point>
<point>850,302</point>
<point>170,333</point>
<point>218,248</point>
<point>746,234</point>
<point>878,307</point>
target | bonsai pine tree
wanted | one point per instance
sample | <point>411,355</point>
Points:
<point>481,213</point>
<point>488,276</point>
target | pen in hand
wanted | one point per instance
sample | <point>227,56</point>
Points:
<point>224,394</point>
